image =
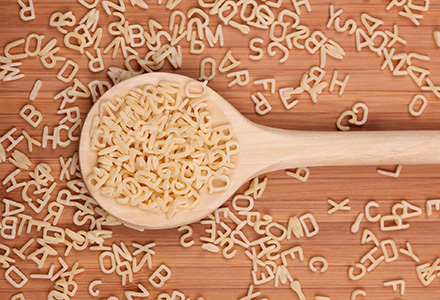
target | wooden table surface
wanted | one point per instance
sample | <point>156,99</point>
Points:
<point>195,271</point>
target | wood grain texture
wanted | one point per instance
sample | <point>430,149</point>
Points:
<point>197,272</point>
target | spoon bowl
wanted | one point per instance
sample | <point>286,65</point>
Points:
<point>262,149</point>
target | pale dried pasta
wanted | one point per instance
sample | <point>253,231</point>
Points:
<point>343,205</point>
<point>362,39</point>
<point>14,44</point>
<point>262,105</point>
<point>395,173</point>
<point>431,87</point>
<point>30,141</point>
<point>272,52</point>
<point>59,20</point>
<point>349,23</point>
<point>75,69</point>
<point>214,38</point>
<point>401,57</point>
<point>396,3</point>
<point>18,273</point>
<point>64,168</point>
<point>44,276</point>
<point>408,13</point>
<point>409,251</point>
<point>294,226</point>
<point>333,15</point>
<point>242,27</point>
<point>5,260</point>
<point>241,78</point>
<point>196,46</point>
<point>89,5</point>
<point>31,115</point>
<point>370,23</point>
<point>211,230</point>
<point>105,269</point>
<point>266,82</point>
<point>422,107</point>
<point>357,292</point>
<point>95,60</point>
<point>264,278</point>
<point>11,179</point>
<point>425,273</point>
<point>20,253</point>
<point>82,38</point>
<point>394,37</point>
<point>160,276</point>
<point>20,160</point>
<point>171,4</point>
<point>203,63</point>
<point>302,174</point>
<point>430,204</point>
<point>416,56</point>
<point>124,270</point>
<point>417,74</point>
<point>313,222</point>
<point>185,236</point>
<point>10,72</point>
<point>231,8</point>
<point>36,88</point>
<point>353,275</point>
<point>436,37</point>
<point>272,29</point>
<point>316,40</point>
<point>392,223</point>
<point>228,251</point>
<point>357,222</point>
<point>7,209</point>
<point>19,296</point>
<point>8,228</point>
<point>298,3</point>
<point>282,231</point>
<point>322,260</point>
<point>163,163</point>
<point>228,62</point>
<point>55,137</point>
<point>248,199</point>
<point>386,253</point>
<point>2,153</point>
<point>239,238</point>
<point>210,247</point>
<point>27,11</point>
<point>296,286</point>
<point>94,292</point>
<point>286,97</point>
<point>120,7</point>
<point>341,84</point>
<point>130,294</point>
<point>140,3</point>
<point>353,116</point>
<point>256,188</point>
<point>256,49</point>
<point>395,285</point>
<point>406,210</point>
<point>333,49</point>
<point>424,8</point>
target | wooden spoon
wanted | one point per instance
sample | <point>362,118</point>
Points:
<point>263,149</point>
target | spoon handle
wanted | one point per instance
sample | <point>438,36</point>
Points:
<point>281,149</point>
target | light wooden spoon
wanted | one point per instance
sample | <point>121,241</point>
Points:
<point>263,149</point>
